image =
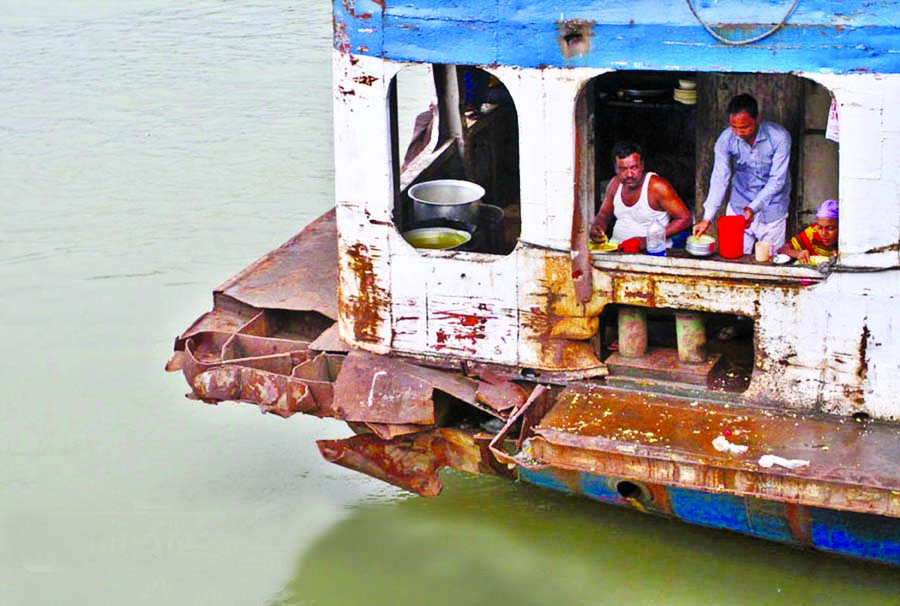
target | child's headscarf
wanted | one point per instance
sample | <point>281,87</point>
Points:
<point>828,210</point>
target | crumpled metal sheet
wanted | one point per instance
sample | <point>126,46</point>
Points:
<point>537,396</point>
<point>389,431</point>
<point>330,340</point>
<point>300,275</point>
<point>380,389</point>
<point>498,393</point>
<point>412,462</point>
<point>265,381</point>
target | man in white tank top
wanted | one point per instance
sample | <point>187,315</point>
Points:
<point>636,199</point>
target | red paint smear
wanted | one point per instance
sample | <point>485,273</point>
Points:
<point>472,336</point>
<point>475,326</point>
<point>463,319</point>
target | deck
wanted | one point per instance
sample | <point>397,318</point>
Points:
<point>853,464</point>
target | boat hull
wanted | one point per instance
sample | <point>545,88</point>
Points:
<point>846,533</point>
<point>271,342</point>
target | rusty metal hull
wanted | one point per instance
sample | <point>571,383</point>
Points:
<point>829,483</point>
<point>856,535</point>
<point>706,464</point>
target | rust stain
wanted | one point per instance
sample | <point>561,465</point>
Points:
<point>889,248</point>
<point>498,393</point>
<point>575,37</point>
<point>367,80</point>
<point>365,307</point>
<point>341,38</point>
<point>863,369</point>
<point>411,461</point>
<point>640,291</point>
<point>350,7</point>
<point>557,325</point>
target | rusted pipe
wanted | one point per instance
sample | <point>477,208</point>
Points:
<point>690,328</point>
<point>632,332</point>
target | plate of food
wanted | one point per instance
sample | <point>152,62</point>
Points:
<point>603,247</point>
<point>818,259</point>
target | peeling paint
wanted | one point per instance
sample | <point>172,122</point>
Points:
<point>342,38</point>
<point>863,369</point>
<point>365,307</point>
<point>882,249</point>
<point>350,7</point>
<point>575,37</point>
<point>366,80</point>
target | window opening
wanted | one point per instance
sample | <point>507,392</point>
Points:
<point>718,358</point>
<point>455,132</point>
<point>676,117</point>
<point>416,112</point>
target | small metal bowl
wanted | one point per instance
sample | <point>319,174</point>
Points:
<point>700,246</point>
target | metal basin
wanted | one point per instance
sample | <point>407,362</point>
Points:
<point>437,238</point>
<point>446,199</point>
<point>700,246</point>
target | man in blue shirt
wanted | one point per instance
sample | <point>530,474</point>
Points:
<point>753,156</point>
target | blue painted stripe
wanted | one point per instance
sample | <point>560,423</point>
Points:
<point>526,35</point>
<point>547,478</point>
<point>756,517</point>
<point>669,12</point>
<point>850,534</point>
<point>707,509</point>
<point>596,487</point>
<point>855,534</point>
<point>600,488</point>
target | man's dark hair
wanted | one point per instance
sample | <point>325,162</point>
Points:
<point>743,103</point>
<point>623,149</point>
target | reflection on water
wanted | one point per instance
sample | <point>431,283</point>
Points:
<point>489,541</point>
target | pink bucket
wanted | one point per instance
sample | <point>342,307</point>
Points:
<point>731,236</point>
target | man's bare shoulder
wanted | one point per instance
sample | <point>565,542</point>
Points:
<point>659,184</point>
<point>612,186</point>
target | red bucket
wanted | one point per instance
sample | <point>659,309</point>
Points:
<point>731,236</point>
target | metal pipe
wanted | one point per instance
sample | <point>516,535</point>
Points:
<point>690,328</point>
<point>632,332</point>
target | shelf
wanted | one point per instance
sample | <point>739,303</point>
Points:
<point>656,104</point>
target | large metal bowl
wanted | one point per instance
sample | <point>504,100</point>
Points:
<point>437,238</point>
<point>446,199</point>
